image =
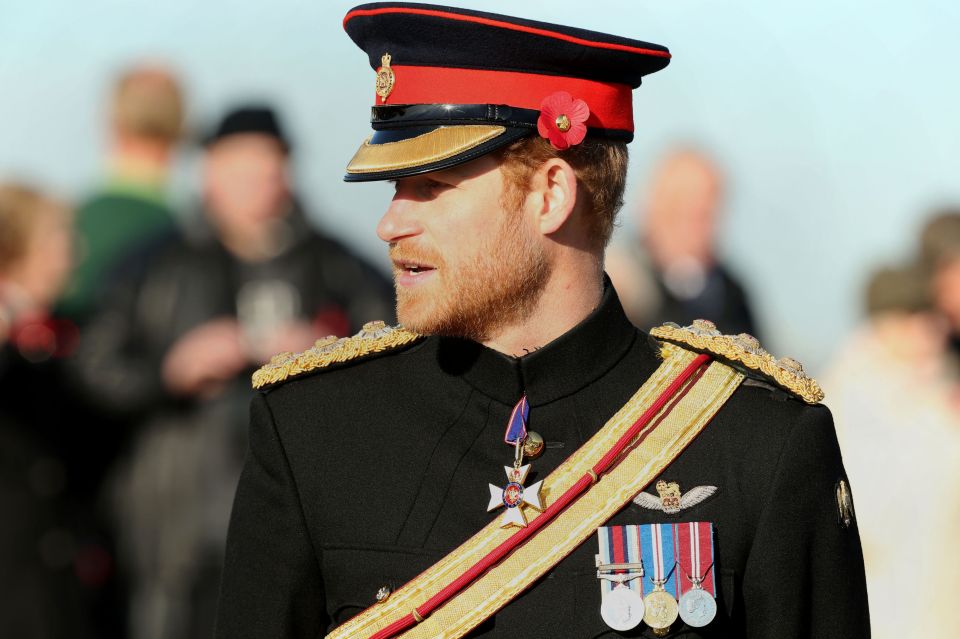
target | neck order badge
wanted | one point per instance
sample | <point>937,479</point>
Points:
<point>514,494</point>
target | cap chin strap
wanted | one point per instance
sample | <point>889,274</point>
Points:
<point>405,115</point>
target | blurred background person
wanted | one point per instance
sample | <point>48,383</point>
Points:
<point>893,392</point>
<point>146,121</point>
<point>40,594</point>
<point>670,271</point>
<point>940,254</point>
<point>174,347</point>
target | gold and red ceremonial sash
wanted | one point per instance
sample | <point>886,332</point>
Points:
<point>495,565</point>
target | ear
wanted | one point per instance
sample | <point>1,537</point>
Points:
<point>555,190</point>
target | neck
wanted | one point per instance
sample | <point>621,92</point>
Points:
<point>256,243</point>
<point>569,296</point>
<point>140,161</point>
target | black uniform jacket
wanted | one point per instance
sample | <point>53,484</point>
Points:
<point>363,475</point>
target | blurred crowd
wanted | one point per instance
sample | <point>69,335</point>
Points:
<point>670,269</point>
<point>893,386</point>
<point>129,330</point>
<point>894,389</point>
<point>128,333</point>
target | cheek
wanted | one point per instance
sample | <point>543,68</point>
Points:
<point>475,247</point>
<point>465,225</point>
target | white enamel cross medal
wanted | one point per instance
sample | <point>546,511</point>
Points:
<point>514,495</point>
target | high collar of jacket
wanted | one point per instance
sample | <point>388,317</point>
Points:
<point>570,362</point>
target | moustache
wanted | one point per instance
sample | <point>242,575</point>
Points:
<point>415,255</point>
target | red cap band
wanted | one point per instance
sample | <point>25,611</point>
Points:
<point>611,104</point>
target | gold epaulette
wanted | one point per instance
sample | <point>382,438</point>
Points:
<point>743,349</point>
<point>374,337</point>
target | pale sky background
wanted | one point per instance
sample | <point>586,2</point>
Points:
<point>836,122</point>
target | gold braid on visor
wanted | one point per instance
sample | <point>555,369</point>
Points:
<point>437,145</point>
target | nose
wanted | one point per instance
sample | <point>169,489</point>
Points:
<point>399,221</point>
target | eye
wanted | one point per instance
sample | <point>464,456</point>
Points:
<point>433,187</point>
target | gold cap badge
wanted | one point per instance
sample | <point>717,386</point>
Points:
<point>385,78</point>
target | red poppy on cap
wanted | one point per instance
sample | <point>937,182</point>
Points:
<point>563,120</point>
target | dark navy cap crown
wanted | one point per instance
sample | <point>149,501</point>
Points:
<point>432,35</point>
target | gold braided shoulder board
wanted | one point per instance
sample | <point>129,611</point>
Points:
<point>374,337</point>
<point>745,350</point>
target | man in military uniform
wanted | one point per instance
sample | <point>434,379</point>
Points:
<point>694,462</point>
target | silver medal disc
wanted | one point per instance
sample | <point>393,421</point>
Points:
<point>697,608</point>
<point>622,608</point>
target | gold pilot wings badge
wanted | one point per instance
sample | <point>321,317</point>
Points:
<point>374,337</point>
<point>671,501</point>
<point>743,350</point>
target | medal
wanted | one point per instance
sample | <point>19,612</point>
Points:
<point>620,571</point>
<point>622,609</point>
<point>698,605</point>
<point>657,549</point>
<point>514,494</point>
<point>661,608</point>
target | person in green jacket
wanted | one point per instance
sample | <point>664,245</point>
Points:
<point>130,208</point>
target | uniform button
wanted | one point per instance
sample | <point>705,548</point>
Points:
<point>383,593</point>
<point>533,445</point>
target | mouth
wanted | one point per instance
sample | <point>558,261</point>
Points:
<point>411,272</point>
<point>413,268</point>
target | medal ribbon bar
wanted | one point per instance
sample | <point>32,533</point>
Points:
<point>695,555</point>
<point>517,424</point>
<point>620,545</point>
<point>657,548</point>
